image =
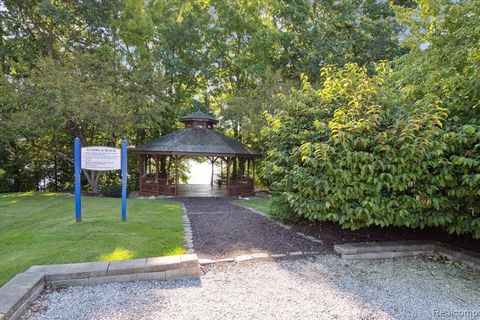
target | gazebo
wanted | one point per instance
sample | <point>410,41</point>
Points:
<point>159,159</point>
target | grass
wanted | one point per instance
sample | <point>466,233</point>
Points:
<point>40,228</point>
<point>260,204</point>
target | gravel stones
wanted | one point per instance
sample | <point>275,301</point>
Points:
<point>323,287</point>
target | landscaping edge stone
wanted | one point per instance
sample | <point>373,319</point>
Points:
<point>18,293</point>
<point>407,248</point>
<point>380,249</point>
<point>187,228</point>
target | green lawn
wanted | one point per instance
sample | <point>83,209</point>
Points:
<point>40,228</point>
<point>260,204</point>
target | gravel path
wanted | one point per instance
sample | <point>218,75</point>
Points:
<point>324,287</point>
<point>224,230</point>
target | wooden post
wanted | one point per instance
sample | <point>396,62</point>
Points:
<point>140,173</point>
<point>228,176</point>
<point>212,160</point>
<point>144,164</point>
<point>234,168</point>
<point>157,173</point>
<point>211,176</point>
<point>253,175</point>
<point>176,175</point>
<point>157,167</point>
<point>140,165</point>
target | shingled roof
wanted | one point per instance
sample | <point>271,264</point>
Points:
<point>199,115</point>
<point>197,141</point>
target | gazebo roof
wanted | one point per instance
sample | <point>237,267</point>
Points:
<point>197,141</point>
<point>198,116</point>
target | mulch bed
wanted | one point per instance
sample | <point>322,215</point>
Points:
<point>331,233</point>
<point>224,230</point>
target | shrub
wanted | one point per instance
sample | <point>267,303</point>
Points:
<point>4,185</point>
<point>114,191</point>
<point>280,209</point>
<point>340,153</point>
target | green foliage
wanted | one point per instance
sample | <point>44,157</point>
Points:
<point>280,210</point>
<point>113,190</point>
<point>360,144</point>
<point>4,186</point>
<point>444,59</point>
<point>103,70</point>
<point>318,33</point>
<point>341,154</point>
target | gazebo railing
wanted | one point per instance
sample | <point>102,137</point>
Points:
<point>243,186</point>
<point>156,186</point>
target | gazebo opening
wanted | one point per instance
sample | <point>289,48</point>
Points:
<point>160,161</point>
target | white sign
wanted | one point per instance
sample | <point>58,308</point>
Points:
<point>101,158</point>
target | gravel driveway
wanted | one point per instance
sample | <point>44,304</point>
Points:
<point>323,287</point>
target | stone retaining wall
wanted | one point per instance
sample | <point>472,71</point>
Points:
<point>17,294</point>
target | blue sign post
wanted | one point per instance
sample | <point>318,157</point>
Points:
<point>99,159</point>
<point>124,180</point>
<point>78,187</point>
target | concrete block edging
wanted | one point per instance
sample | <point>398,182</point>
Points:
<point>187,228</point>
<point>408,248</point>
<point>382,249</point>
<point>18,293</point>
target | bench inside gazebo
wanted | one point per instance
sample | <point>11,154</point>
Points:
<point>160,159</point>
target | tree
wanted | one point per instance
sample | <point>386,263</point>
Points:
<point>318,33</point>
<point>398,148</point>
<point>73,65</point>
<point>443,61</point>
<point>79,97</point>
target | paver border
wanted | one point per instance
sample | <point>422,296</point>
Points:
<point>18,293</point>
<point>386,249</point>
<point>187,228</point>
<point>258,256</point>
<point>407,248</point>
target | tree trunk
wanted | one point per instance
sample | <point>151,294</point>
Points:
<point>92,178</point>
<point>95,189</point>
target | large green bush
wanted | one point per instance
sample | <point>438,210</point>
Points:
<point>340,153</point>
<point>398,148</point>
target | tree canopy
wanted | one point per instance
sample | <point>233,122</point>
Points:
<point>367,110</point>
<point>111,69</point>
